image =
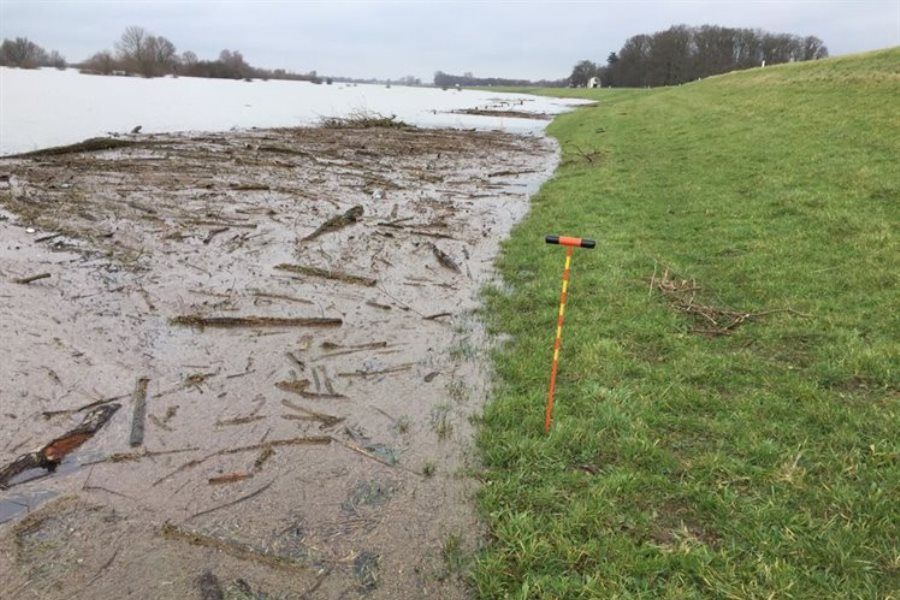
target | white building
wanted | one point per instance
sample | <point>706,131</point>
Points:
<point>593,82</point>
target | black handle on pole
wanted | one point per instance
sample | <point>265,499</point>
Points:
<point>570,241</point>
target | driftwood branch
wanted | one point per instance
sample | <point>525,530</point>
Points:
<point>25,280</point>
<point>201,321</point>
<point>326,274</point>
<point>53,453</point>
<point>337,222</point>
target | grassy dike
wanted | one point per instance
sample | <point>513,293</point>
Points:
<point>760,464</point>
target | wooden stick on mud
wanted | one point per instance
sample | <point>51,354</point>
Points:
<point>140,412</point>
<point>321,440</point>
<point>232,502</point>
<point>52,413</point>
<point>437,316</point>
<point>118,457</point>
<point>445,259</point>
<point>336,222</point>
<point>325,420</point>
<point>26,280</point>
<point>235,549</point>
<point>53,453</point>
<point>201,321</point>
<point>295,386</point>
<point>327,274</point>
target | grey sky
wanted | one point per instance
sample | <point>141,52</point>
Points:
<point>391,39</point>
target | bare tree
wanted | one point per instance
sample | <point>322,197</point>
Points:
<point>56,60</point>
<point>233,64</point>
<point>145,54</point>
<point>161,56</point>
<point>102,62</point>
<point>131,46</point>
<point>814,48</point>
<point>22,52</point>
<point>189,59</point>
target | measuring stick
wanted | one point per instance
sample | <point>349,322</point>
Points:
<point>570,243</point>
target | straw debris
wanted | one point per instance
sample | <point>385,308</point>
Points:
<point>327,274</point>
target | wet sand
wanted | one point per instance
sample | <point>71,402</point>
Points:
<point>282,461</point>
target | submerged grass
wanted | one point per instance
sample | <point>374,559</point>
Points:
<point>756,464</point>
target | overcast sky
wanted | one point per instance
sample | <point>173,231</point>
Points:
<point>392,39</point>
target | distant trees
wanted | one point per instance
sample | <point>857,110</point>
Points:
<point>25,54</point>
<point>138,52</point>
<point>446,80</point>
<point>101,63</point>
<point>682,53</point>
<point>582,73</point>
<point>144,54</point>
<point>56,60</point>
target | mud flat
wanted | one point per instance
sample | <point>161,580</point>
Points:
<point>285,319</point>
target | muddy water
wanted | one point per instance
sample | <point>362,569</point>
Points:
<point>358,485</point>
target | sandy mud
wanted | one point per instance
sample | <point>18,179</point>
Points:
<point>285,318</point>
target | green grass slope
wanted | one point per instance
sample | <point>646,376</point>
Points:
<point>760,464</point>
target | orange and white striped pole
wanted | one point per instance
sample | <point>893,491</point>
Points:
<point>570,243</point>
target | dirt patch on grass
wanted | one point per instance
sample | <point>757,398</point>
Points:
<point>676,529</point>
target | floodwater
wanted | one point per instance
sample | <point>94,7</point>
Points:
<point>277,461</point>
<point>48,107</point>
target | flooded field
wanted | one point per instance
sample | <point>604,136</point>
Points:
<point>47,107</point>
<point>255,354</point>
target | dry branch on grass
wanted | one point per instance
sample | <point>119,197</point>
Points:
<point>588,157</point>
<point>682,295</point>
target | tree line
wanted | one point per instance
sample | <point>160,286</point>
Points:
<point>138,52</point>
<point>25,54</point>
<point>445,80</point>
<point>682,53</point>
